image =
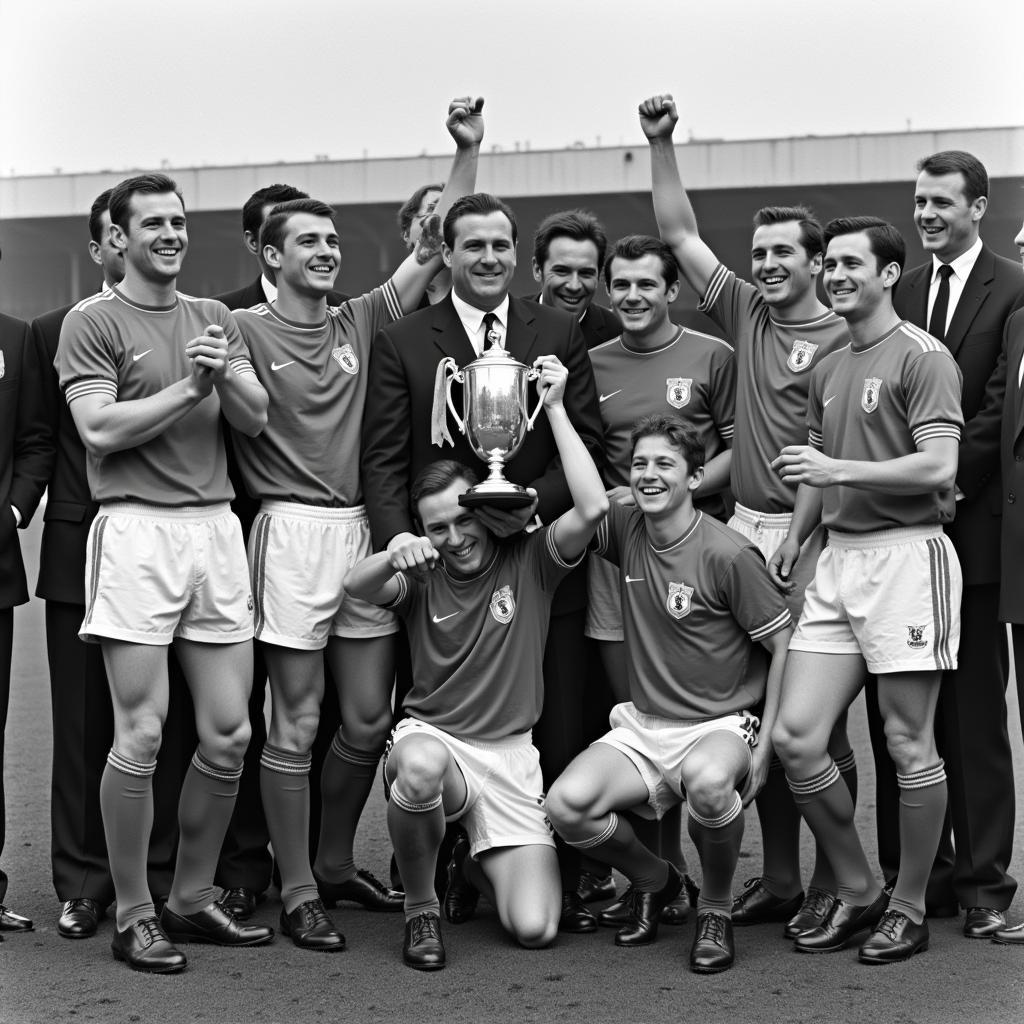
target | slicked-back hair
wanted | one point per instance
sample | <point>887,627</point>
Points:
<point>957,161</point>
<point>408,210</point>
<point>479,203</point>
<point>886,242</point>
<point>676,431</point>
<point>579,225</point>
<point>252,212</point>
<point>100,205</point>
<point>810,226</point>
<point>437,477</point>
<point>276,224</point>
<point>142,184</point>
<point>636,247</point>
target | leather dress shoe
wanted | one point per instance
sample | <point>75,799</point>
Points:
<point>80,918</point>
<point>646,908</point>
<point>814,909</point>
<point>575,918</point>
<point>240,902</point>
<point>460,896</point>
<point>895,938</point>
<point>983,922</point>
<point>1010,936</point>
<point>12,922</point>
<point>677,911</point>
<point>594,888</point>
<point>616,914</point>
<point>310,927</point>
<point>841,924</point>
<point>143,946</point>
<point>423,949</point>
<point>756,905</point>
<point>362,888</point>
<point>713,949</point>
<point>214,926</point>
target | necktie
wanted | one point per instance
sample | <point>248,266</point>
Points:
<point>492,332</point>
<point>937,323</point>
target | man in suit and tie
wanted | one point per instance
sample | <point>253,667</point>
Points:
<point>480,250</point>
<point>963,296</point>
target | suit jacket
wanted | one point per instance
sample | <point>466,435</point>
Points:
<point>26,449</point>
<point>993,290</point>
<point>598,324</point>
<point>1011,597</point>
<point>252,294</point>
<point>400,394</point>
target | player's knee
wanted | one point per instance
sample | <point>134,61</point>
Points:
<point>535,927</point>
<point>568,803</point>
<point>420,772</point>
<point>228,744</point>
<point>710,789</point>
<point>788,743</point>
<point>140,739</point>
<point>370,732</point>
<point>296,729</point>
<point>909,749</point>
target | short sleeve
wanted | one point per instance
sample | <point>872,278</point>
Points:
<point>932,387</point>
<point>732,303</point>
<point>608,540</point>
<point>87,360</point>
<point>723,391</point>
<point>362,317</point>
<point>755,602</point>
<point>814,407</point>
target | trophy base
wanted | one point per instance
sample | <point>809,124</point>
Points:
<point>474,498</point>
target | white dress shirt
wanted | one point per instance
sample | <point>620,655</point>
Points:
<point>473,321</point>
<point>962,267</point>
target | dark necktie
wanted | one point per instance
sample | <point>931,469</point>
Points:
<point>937,323</point>
<point>492,333</point>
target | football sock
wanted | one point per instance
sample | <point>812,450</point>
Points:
<point>922,813</point>
<point>718,845</point>
<point>824,877</point>
<point>780,834</point>
<point>126,801</point>
<point>416,831</point>
<point>616,844</point>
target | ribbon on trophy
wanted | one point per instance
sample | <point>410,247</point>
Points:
<point>439,432</point>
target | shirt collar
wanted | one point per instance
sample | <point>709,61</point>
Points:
<point>472,317</point>
<point>962,265</point>
<point>269,288</point>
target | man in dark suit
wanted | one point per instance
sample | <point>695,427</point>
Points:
<point>479,248</point>
<point>80,698</point>
<point>26,454</point>
<point>963,296</point>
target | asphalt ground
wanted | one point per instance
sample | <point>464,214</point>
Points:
<point>46,979</point>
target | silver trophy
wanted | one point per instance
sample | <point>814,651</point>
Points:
<point>494,419</point>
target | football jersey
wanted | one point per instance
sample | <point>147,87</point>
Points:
<point>877,403</point>
<point>111,345</point>
<point>773,368</point>
<point>477,644</point>
<point>691,613</point>
<point>316,378</point>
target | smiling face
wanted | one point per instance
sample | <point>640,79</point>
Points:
<point>639,294</point>
<point>463,542</point>
<point>856,287</point>
<point>947,222</point>
<point>568,278</point>
<point>307,262</point>
<point>660,478</point>
<point>482,259</point>
<point>780,265</point>
<point>155,243</point>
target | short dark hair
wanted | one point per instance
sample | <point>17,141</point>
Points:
<point>479,203</point>
<point>636,247</point>
<point>100,205</point>
<point>439,476</point>
<point>957,161</point>
<point>144,184</point>
<point>886,242</point>
<point>252,212</point>
<point>579,225</point>
<point>810,226</point>
<point>411,206</point>
<point>273,230</point>
<point>676,431</point>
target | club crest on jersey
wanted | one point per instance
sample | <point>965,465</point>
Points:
<point>346,358</point>
<point>801,355</point>
<point>678,603</point>
<point>503,605</point>
<point>869,396</point>
<point>915,637</point>
<point>677,391</point>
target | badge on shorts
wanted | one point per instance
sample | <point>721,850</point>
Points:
<point>503,605</point>
<point>916,637</point>
<point>677,391</point>
<point>801,355</point>
<point>678,603</point>
<point>346,358</point>
<point>869,396</point>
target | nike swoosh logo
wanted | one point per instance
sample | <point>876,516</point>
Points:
<point>638,579</point>
<point>139,355</point>
<point>280,366</point>
<point>604,398</point>
<point>444,617</point>
<point>827,400</point>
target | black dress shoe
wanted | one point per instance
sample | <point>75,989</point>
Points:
<point>240,902</point>
<point>80,918</point>
<point>814,909</point>
<point>895,938</point>
<point>594,888</point>
<point>983,922</point>
<point>12,922</point>
<point>143,946</point>
<point>756,905</point>
<point>1010,936</point>
<point>214,926</point>
<point>460,896</point>
<point>362,888</point>
<point>646,908</point>
<point>575,917</point>
<point>616,914</point>
<point>423,949</point>
<point>309,926</point>
<point>677,911</point>
<point>841,924</point>
<point>713,949</point>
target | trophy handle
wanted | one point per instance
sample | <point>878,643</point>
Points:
<point>453,373</point>
<point>532,374</point>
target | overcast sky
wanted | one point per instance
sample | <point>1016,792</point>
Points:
<point>116,84</point>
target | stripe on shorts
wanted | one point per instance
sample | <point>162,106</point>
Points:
<point>259,570</point>
<point>938,560</point>
<point>94,568</point>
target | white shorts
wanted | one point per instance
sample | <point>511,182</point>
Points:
<point>504,789</point>
<point>155,573</point>
<point>766,531</point>
<point>604,604</point>
<point>892,596</point>
<point>298,558</point>
<point>658,747</point>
